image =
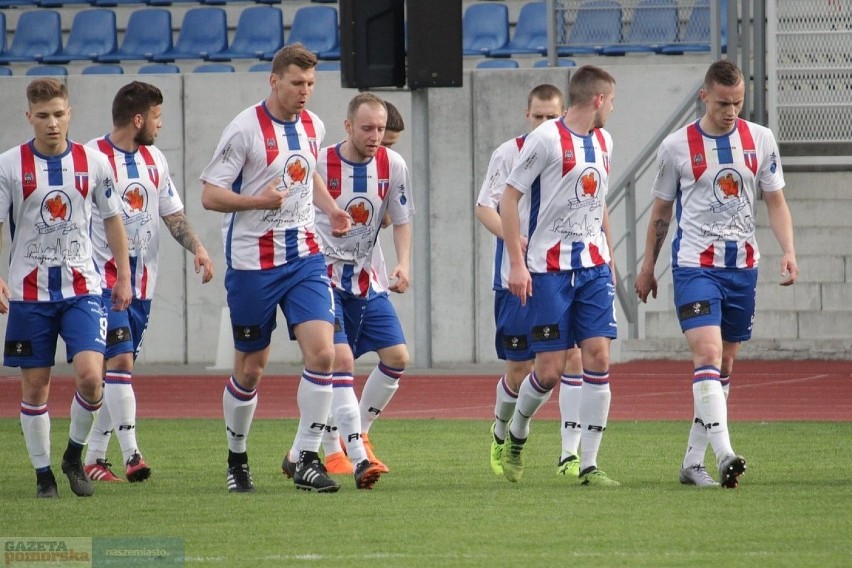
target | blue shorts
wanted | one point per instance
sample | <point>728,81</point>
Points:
<point>125,329</point>
<point>33,327</point>
<point>512,320</point>
<point>368,324</point>
<point>571,306</point>
<point>301,288</point>
<point>720,297</point>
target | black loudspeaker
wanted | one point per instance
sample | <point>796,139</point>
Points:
<point>372,43</point>
<point>434,43</point>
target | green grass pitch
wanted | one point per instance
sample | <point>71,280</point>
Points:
<point>441,505</point>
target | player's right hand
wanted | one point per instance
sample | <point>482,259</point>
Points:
<point>646,283</point>
<point>4,297</point>
<point>273,195</point>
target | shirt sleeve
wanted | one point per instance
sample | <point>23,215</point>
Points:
<point>104,195</point>
<point>495,180</point>
<point>400,202</point>
<point>229,159</point>
<point>667,178</point>
<point>535,156</point>
<point>771,174</point>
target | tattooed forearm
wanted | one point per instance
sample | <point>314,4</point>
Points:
<point>181,231</point>
<point>661,229</point>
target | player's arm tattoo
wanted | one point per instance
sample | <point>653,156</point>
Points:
<point>661,229</point>
<point>181,231</point>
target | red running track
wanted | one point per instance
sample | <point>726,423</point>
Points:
<point>641,390</point>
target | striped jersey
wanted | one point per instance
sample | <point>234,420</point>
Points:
<point>713,181</point>
<point>565,176</point>
<point>501,163</point>
<point>254,149</point>
<point>48,201</point>
<point>365,191</point>
<point>143,183</point>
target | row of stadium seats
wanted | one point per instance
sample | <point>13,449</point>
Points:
<point>597,28</point>
<point>112,3</point>
<point>203,35</point>
<point>156,68</point>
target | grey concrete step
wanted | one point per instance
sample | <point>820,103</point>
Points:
<point>772,349</point>
<point>817,185</point>
<point>812,213</point>
<point>833,241</point>
<point>812,268</point>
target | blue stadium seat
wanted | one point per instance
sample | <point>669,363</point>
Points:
<point>158,68</point>
<point>17,3</point>
<point>47,70</point>
<point>484,27</point>
<point>497,64</point>
<point>265,67</point>
<point>103,70</point>
<point>696,37</point>
<point>530,32</point>
<point>39,33</point>
<point>92,35</point>
<point>204,31</point>
<point>58,3</point>
<point>655,23</point>
<point>561,62</point>
<point>259,34</point>
<point>148,33</point>
<point>112,3</point>
<point>214,68</point>
<point>316,28</point>
<point>3,29</point>
<point>5,71</point>
<point>597,25</point>
<point>167,2</point>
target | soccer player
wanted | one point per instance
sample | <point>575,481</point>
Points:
<point>263,177</point>
<point>712,169</point>
<point>49,187</point>
<point>336,459</point>
<point>368,180</point>
<point>564,271</point>
<point>147,193</point>
<point>512,338</point>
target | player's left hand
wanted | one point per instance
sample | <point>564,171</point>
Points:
<point>202,260</point>
<point>789,270</point>
<point>341,222</point>
<point>4,297</point>
<point>400,278</point>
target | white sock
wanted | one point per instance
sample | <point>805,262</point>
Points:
<point>314,400</point>
<point>570,392</point>
<point>35,422</point>
<point>594,412</point>
<point>121,402</point>
<point>331,435</point>
<point>100,435</point>
<point>709,399</point>
<point>696,447</point>
<point>83,413</point>
<point>378,391</point>
<point>504,406</point>
<point>531,396</point>
<point>344,408</point>
<point>238,406</point>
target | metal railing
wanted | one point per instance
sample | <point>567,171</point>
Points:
<point>623,191</point>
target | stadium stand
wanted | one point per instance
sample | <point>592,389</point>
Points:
<point>497,64</point>
<point>214,68</point>
<point>46,70</point>
<point>530,34</point>
<point>259,34</point>
<point>484,27</point>
<point>696,36</point>
<point>561,62</point>
<point>316,28</point>
<point>655,23</point>
<point>39,33</point>
<point>5,72</point>
<point>597,25</point>
<point>148,34</point>
<point>92,34</point>
<point>108,69</point>
<point>158,68</point>
<point>204,30</point>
